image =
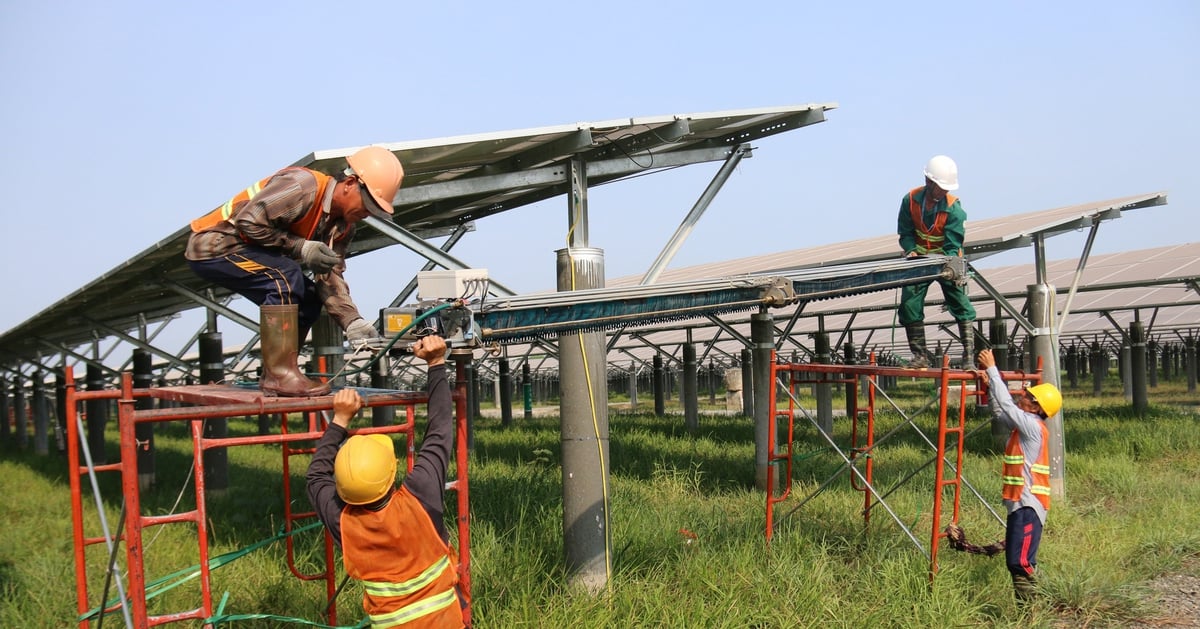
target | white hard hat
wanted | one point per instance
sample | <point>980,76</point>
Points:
<point>943,171</point>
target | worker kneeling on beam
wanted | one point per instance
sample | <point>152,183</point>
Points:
<point>260,242</point>
<point>1026,472</point>
<point>932,221</point>
<point>393,539</point>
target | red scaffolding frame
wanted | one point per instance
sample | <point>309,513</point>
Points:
<point>951,435</point>
<point>218,401</point>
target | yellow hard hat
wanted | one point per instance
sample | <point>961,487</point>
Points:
<point>365,469</point>
<point>1048,398</point>
<point>381,172</point>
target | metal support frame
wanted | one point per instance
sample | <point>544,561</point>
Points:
<point>422,248</point>
<point>689,222</point>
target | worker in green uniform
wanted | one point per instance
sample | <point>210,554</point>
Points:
<point>932,220</point>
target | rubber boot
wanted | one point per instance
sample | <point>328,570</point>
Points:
<point>1024,588</point>
<point>966,332</point>
<point>916,342</point>
<point>280,348</point>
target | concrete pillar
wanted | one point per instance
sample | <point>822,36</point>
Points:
<point>1137,366</point>
<point>60,406</point>
<point>1152,363</point>
<point>328,343</point>
<point>216,460</point>
<point>824,392</point>
<point>1167,352</point>
<point>850,358</point>
<point>380,379</point>
<point>633,387</point>
<point>660,384</point>
<point>1126,365</point>
<point>5,412</point>
<point>762,335</point>
<point>747,382</point>
<point>97,416</point>
<point>998,332</point>
<point>584,428</point>
<point>527,391</point>
<point>506,415</point>
<point>143,378</point>
<point>20,414</point>
<point>464,367</point>
<point>691,402</point>
<point>1073,366</point>
<point>41,418</point>
<point>998,337</point>
<point>1097,355</point>
<point>1190,363</point>
<point>1045,346</point>
<point>733,389</point>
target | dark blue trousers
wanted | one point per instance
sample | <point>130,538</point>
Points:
<point>265,278</point>
<point>1023,533</point>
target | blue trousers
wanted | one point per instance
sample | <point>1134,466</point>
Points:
<point>265,278</point>
<point>1022,534</point>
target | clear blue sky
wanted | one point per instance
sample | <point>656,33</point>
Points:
<point>121,121</point>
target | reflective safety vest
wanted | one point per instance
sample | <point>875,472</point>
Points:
<point>930,238</point>
<point>304,227</point>
<point>409,574</point>
<point>1014,470</point>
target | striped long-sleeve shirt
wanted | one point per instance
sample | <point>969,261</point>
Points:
<point>264,222</point>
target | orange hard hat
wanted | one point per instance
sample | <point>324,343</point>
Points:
<point>381,172</point>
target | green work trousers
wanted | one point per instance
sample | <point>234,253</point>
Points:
<point>912,302</point>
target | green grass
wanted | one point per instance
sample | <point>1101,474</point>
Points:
<point>688,545</point>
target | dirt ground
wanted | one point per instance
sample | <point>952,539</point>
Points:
<point>1177,598</point>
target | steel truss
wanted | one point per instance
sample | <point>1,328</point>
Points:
<point>222,401</point>
<point>858,455</point>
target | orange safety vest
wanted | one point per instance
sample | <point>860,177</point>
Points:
<point>409,574</point>
<point>304,227</point>
<point>929,238</point>
<point>1014,470</point>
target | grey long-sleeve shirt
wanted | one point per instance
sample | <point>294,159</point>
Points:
<point>427,481</point>
<point>1028,426</point>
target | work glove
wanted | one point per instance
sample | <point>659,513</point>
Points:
<point>360,333</point>
<point>318,257</point>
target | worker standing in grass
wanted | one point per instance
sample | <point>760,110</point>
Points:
<point>1026,473</point>
<point>393,540</point>
<point>932,221</point>
<point>259,243</point>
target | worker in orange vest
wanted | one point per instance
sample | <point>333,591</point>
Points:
<point>932,220</point>
<point>260,243</point>
<point>393,539</point>
<point>1026,472</point>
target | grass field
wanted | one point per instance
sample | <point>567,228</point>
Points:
<point>687,529</point>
